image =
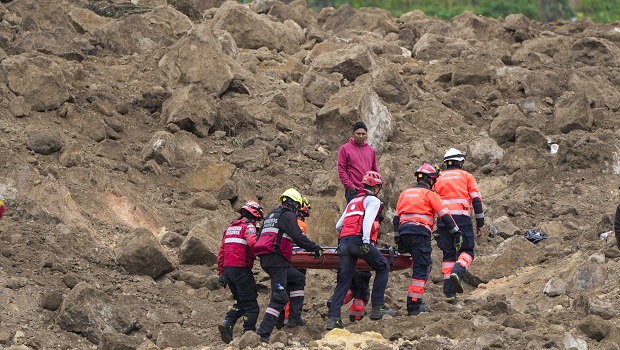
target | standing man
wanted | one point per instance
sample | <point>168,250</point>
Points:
<point>459,192</point>
<point>413,225</point>
<point>355,158</point>
<point>355,226</point>
<point>275,249</point>
<point>235,261</point>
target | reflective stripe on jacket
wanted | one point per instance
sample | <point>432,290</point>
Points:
<point>457,189</point>
<point>237,243</point>
<point>419,205</point>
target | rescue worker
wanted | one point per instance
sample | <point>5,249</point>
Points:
<point>460,193</point>
<point>235,261</point>
<point>355,158</point>
<point>274,247</point>
<point>360,282</point>
<point>303,213</point>
<point>354,227</point>
<point>2,207</point>
<point>413,225</point>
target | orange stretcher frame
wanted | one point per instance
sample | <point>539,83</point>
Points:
<point>329,261</point>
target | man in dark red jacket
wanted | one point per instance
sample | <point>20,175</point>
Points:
<point>274,247</point>
<point>355,158</point>
<point>234,263</point>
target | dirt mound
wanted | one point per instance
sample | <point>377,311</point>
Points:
<point>133,130</point>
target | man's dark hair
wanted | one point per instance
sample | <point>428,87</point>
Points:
<point>359,125</point>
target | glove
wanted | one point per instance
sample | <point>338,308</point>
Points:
<point>365,249</point>
<point>318,254</point>
<point>458,240</point>
<point>399,246</point>
<point>221,281</point>
<point>436,236</point>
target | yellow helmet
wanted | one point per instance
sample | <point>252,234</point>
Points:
<point>294,195</point>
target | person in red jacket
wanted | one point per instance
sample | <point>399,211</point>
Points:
<point>274,247</point>
<point>413,224</point>
<point>2,207</point>
<point>355,227</point>
<point>355,158</point>
<point>234,263</point>
<point>460,193</point>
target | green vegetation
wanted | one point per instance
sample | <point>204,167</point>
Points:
<point>599,11</point>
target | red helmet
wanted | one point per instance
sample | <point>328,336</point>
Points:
<point>428,170</point>
<point>253,208</point>
<point>372,178</point>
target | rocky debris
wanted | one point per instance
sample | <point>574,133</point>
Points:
<point>140,253</point>
<point>555,287</point>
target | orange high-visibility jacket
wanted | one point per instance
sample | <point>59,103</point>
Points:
<point>419,205</point>
<point>457,189</point>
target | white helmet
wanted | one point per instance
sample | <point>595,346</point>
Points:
<point>454,154</point>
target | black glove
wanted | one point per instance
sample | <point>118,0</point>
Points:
<point>436,236</point>
<point>399,245</point>
<point>458,240</point>
<point>365,248</point>
<point>317,254</point>
<point>221,281</point>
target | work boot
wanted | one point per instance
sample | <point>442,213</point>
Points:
<point>294,322</point>
<point>378,312</point>
<point>423,308</point>
<point>329,302</point>
<point>333,323</point>
<point>452,299</point>
<point>226,331</point>
<point>456,280</point>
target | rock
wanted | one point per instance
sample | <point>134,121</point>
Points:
<point>503,227</point>
<point>191,109</point>
<point>573,342</point>
<point>248,340</point>
<point>81,312</point>
<point>483,150</point>
<point>504,125</point>
<point>297,11</point>
<point>351,62</point>
<point>176,149</point>
<point>177,337</point>
<point>589,276</point>
<point>512,253</point>
<point>37,78</point>
<point>526,136</point>
<point>19,107</point>
<point>520,26</point>
<point>86,21</point>
<point>368,19</point>
<point>116,341</point>
<point>44,142</point>
<point>555,287</point>
<point>197,58</point>
<point>202,243</point>
<point>253,31</point>
<point>51,301</point>
<point>229,46</point>
<point>171,239</point>
<point>354,104</point>
<point>73,155</point>
<point>389,85</point>
<point>210,176</point>
<point>608,54</point>
<point>59,43</point>
<point>319,87</point>
<point>70,279</point>
<point>16,283</point>
<point>140,253</point>
<point>194,280</point>
<point>436,47</point>
<point>594,327</point>
<point>471,73</point>
<point>573,112</point>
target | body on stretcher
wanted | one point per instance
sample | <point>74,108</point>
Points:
<point>305,260</point>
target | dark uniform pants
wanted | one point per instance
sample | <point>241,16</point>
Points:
<point>348,253</point>
<point>282,279</point>
<point>445,242</point>
<point>241,282</point>
<point>419,246</point>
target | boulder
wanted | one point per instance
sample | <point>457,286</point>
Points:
<point>436,47</point>
<point>588,276</point>
<point>521,27</point>
<point>555,286</point>
<point>59,43</point>
<point>173,336</point>
<point>191,109</point>
<point>86,21</point>
<point>37,78</point>
<point>252,31</point>
<point>541,84</point>
<point>596,52</point>
<point>44,142</point>
<point>598,90</point>
<point>174,149</point>
<point>366,19</point>
<point>469,25</point>
<point>571,341</point>
<point>351,62</point>
<point>141,33</point>
<point>41,16</point>
<point>141,254</point>
<point>389,85</point>
<point>471,73</point>
<point>92,313</point>
<point>483,150</point>
<point>511,254</point>
<point>503,227</point>
<point>297,11</point>
<point>210,176</point>
<point>573,112</point>
<point>507,119</point>
<point>318,88</point>
<point>526,136</point>
<point>19,107</point>
<point>594,327</point>
<point>202,243</point>
<point>353,104</point>
<point>117,341</point>
<point>197,58</point>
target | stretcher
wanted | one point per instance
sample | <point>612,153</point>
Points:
<point>305,260</point>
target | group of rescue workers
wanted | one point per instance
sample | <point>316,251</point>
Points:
<point>449,196</point>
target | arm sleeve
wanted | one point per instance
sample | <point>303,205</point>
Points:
<point>478,211</point>
<point>340,221</point>
<point>476,200</point>
<point>288,223</point>
<point>617,226</point>
<point>374,166</point>
<point>371,206</point>
<point>342,169</point>
<point>250,236</point>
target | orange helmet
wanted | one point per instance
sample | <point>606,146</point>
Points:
<point>372,178</point>
<point>426,170</point>
<point>253,208</point>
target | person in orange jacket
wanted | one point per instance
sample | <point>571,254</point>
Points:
<point>413,224</point>
<point>460,193</point>
<point>235,261</point>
